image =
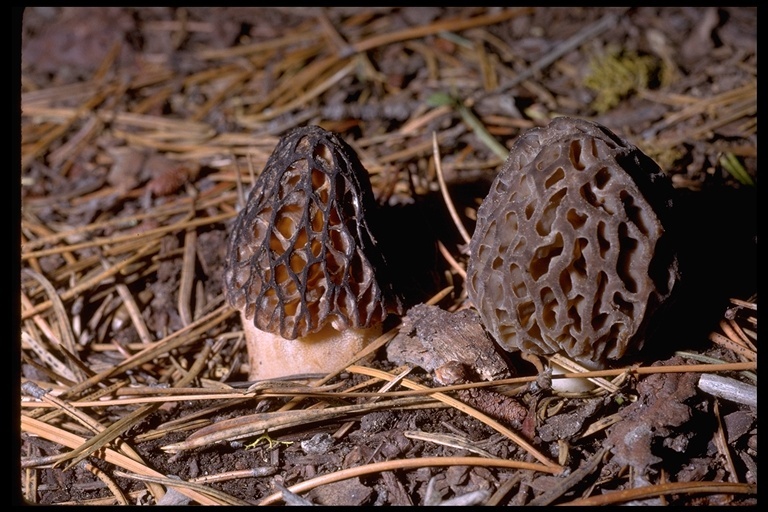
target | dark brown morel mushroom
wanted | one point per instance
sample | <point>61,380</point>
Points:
<point>303,267</point>
<point>570,253</point>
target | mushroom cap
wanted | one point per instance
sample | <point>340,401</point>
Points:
<point>570,253</point>
<point>301,254</point>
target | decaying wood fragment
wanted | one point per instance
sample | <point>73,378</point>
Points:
<point>431,337</point>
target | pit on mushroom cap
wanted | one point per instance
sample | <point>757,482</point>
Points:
<point>303,267</point>
<point>570,253</point>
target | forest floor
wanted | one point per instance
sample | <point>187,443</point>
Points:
<point>141,129</point>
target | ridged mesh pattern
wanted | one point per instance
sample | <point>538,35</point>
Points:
<point>567,254</point>
<point>301,254</point>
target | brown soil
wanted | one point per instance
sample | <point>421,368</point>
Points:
<point>141,128</point>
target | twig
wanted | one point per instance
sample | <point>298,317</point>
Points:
<point>61,371</point>
<point>91,127</point>
<point>116,429</point>
<point>440,99</point>
<point>606,22</point>
<point>133,311</point>
<point>131,237</point>
<point>451,440</point>
<point>187,278</point>
<point>701,105</point>
<point>444,190</point>
<point>574,478</point>
<point>305,98</point>
<point>67,337</point>
<point>730,389</point>
<point>736,333</point>
<point>735,346</point>
<point>413,149</point>
<point>610,498</point>
<point>108,481</point>
<point>85,420</point>
<point>207,199</point>
<point>295,37</point>
<point>236,81</point>
<point>451,260</point>
<point>332,35</point>
<point>722,444</point>
<point>36,149</point>
<point>400,464</point>
<point>451,25</point>
<point>745,304</point>
<point>221,497</point>
<point>259,423</point>
<point>520,441</point>
<point>305,77</point>
<point>93,281</point>
<point>291,498</point>
<point>158,348</point>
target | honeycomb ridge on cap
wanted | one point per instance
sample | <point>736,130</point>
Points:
<point>301,254</point>
<point>569,253</point>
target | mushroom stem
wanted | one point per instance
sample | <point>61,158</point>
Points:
<point>572,385</point>
<point>561,364</point>
<point>271,356</point>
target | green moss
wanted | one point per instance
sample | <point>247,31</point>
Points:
<point>730,163</point>
<point>617,74</point>
<point>666,157</point>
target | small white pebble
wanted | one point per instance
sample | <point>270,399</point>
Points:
<point>318,444</point>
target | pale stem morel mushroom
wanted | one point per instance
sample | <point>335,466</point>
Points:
<point>570,253</point>
<point>303,266</point>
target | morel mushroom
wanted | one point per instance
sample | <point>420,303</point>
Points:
<point>303,266</point>
<point>570,253</point>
